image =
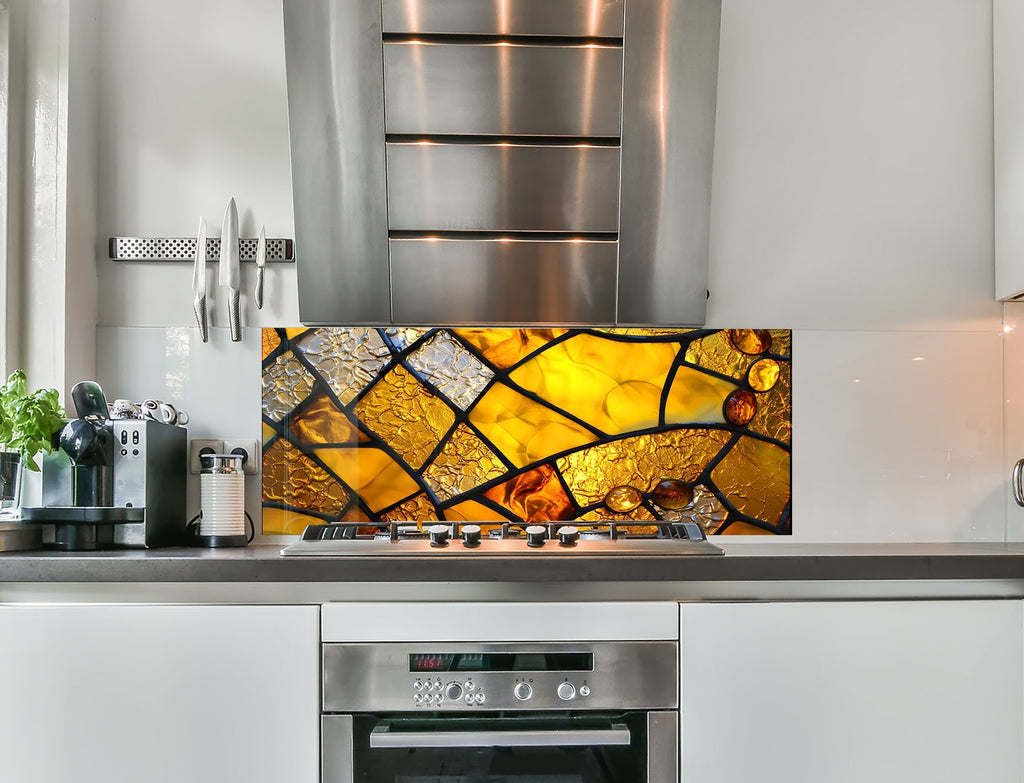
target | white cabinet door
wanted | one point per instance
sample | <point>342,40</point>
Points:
<point>159,694</point>
<point>1008,137</point>
<point>852,692</point>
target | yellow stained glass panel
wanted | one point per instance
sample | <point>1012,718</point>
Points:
<point>268,433</point>
<point>463,465</point>
<point>696,397</point>
<point>754,476</point>
<point>471,511</point>
<point>524,430</point>
<point>375,477</point>
<point>405,415</point>
<point>271,340</point>
<point>623,408</point>
<point>322,422</point>
<point>534,496</point>
<point>641,461</point>
<point>640,514</point>
<point>775,409</point>
<point>782,341</point>
<point>280,521</point>
<point>715,352</point>
<point>644,331</point>
<point>417,509</point>
<point>615,386</point>
<point>505,347</point>
<point>293,479</point>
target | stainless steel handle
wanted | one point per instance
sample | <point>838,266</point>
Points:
<point>258,293</point>
<point>1018,490</point>
<point>199,306</point>
<point>383,737</point>
<point>234,316</point>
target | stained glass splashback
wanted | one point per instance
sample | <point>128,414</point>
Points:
<point>527,425</point>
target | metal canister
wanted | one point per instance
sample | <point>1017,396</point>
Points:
<point>222,498</point>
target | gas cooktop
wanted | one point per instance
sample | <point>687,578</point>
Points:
<point>501,539</point>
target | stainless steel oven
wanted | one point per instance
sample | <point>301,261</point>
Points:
<point>518,712</point>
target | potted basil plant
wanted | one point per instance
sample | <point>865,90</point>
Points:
<point>28,424</point>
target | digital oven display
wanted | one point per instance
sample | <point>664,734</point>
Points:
<point>501,662</point>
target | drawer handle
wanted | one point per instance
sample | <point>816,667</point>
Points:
<point>383,737</point>
<point>1018,489</point>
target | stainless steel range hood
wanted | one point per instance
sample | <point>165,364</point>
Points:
<point>502,161</point>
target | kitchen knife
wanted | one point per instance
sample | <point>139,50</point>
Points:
<point>229,274</point>
<point>261,262</point>
<point>199,281</point>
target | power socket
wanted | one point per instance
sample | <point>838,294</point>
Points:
<point>199,446</point>
<point>249,448</point>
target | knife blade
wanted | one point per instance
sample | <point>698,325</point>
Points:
<point>199,282</point>
<point>261,262</point>
<point>228,269</point>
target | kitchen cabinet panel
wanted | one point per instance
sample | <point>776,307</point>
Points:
<point>1008,137</point>
<point>160,694</point>
<point>883,691</point>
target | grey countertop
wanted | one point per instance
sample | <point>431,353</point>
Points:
<point>742,562</point>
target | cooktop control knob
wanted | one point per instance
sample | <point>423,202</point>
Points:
<point>568,535</point>
<point>566,691</point>
<point>522,691</point>
<point>453,691</point>
<point>438,535</point>
<point>535,535</point>
<point>471,535</point>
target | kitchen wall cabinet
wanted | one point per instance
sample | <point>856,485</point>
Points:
<point>1008,139</point>
<point>885,691</point>
<point>160,694</point>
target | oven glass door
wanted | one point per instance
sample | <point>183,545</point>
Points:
<point>604,748</point>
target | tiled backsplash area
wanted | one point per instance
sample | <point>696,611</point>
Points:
<point>527,425</point>
<point>897,435</point>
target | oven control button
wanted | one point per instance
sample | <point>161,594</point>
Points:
<point>522,691</point>
<point>470,685</point>
<point>438,535</point>
<point>453,691</point>
<point>566,691</point>
<point>479,698</point>
<point>417,699</point>
<point>438,698</point>
<point>417,686</point>
<point>469,699</point>
<point>584,690</point>
<point>535,535</point>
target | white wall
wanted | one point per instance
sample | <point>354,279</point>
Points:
<point>852,202</point>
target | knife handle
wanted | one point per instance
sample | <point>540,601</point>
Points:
<point>234,317</point>
<point>258,293</point>
<point>199,305</point>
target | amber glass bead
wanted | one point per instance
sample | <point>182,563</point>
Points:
<point>672,494</point>
<point>751,341</point>
<point>623,498</point>
<point>740,406</point>
<point>763,375</point>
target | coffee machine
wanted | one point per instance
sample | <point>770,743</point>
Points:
<point>113,483</point>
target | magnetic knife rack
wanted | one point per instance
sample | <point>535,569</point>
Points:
<point>279,251</point>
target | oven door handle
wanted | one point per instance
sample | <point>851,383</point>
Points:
<point>383,737</point>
